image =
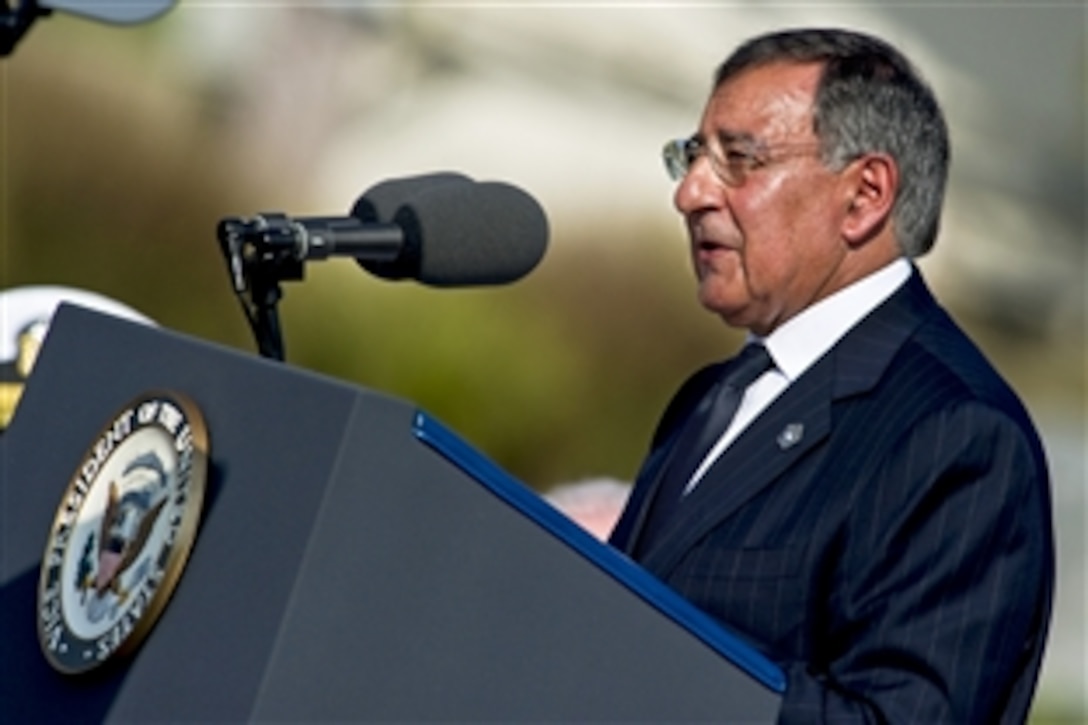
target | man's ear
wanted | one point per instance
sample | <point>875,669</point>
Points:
<point>871,185</point>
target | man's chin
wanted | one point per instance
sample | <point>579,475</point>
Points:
<point>731,313</point>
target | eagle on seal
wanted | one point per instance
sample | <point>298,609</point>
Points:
<point>130,515</point>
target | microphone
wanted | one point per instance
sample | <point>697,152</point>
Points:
<point>443,229</point>
<point>457,232</point>
<point>16,20</point>
<point>119,12</point>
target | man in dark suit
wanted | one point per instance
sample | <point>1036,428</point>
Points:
<point>875,517</point>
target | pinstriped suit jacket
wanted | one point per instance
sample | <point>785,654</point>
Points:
<point>897,560</point>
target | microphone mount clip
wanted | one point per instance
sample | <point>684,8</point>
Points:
<point>261,253</point>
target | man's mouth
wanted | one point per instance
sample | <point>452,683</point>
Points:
<point>709,246</point>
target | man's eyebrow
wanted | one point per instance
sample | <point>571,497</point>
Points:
<point>741,138</point>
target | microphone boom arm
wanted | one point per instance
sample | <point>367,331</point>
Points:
<point>258,260</point>
<point>272,248</point>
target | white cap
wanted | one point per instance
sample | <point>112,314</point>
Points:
<point>22,307</point>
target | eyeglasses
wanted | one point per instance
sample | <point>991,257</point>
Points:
<point>734,163</point>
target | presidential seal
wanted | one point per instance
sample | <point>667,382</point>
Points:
<point>122,533</point>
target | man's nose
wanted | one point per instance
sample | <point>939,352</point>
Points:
<point>699,189</point>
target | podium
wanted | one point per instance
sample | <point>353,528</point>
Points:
<point>355,561</point>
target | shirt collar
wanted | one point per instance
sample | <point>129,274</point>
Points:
<point>803,339</point>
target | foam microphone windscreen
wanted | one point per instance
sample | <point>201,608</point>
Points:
<point>475,234</point>
<point>457,232</point>
<point>380,203</point>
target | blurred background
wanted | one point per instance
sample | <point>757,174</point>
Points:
<point>122,147</point>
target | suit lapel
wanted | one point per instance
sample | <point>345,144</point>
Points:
<point>771,445</point>
<point>629,528</point>
<point>767,449</point>
<point>625,535</point>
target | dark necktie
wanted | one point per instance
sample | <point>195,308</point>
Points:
<point>706,424</point>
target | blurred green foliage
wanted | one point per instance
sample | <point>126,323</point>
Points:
<point>109,187</point>
<point>115,175</point>
<point>115,184</point>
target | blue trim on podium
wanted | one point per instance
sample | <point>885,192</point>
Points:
<point>475,464</point>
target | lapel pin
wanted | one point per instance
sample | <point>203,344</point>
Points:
<point>791,435</point>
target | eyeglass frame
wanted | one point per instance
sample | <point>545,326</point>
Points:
<point>681,154</point>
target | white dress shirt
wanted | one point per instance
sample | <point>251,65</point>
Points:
<point>801,341</point>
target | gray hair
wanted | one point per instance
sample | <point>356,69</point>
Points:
<point>869,99</point>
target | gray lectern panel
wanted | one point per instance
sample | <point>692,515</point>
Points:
<point>344,569</point>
